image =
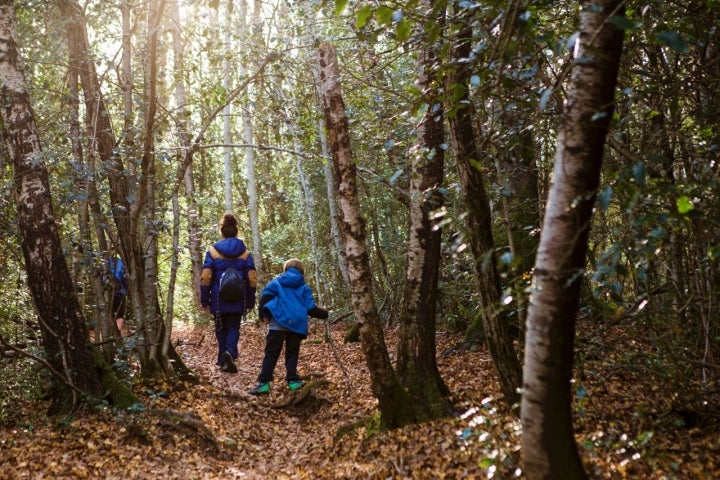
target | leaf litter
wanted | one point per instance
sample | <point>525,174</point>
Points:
<point>625,425</point>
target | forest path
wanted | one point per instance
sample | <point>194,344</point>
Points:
<point>279,443</point>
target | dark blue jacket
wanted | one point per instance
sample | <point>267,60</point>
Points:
<point>224,254</point>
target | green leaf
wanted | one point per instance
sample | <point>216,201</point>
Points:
<point>639,173</point>
<point>433,32</point>
<point>487,463</point>
<point>340,6</point>
<point>684,205</point>
<point>402,30</point>
<point>384,15</point>
<point>604,198</point>
<point>674,41</point>
<point>362,16</point>
<point>714,252</point>
<point>622,22</point>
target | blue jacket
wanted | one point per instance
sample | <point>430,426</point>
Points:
<point>117,267</point>
<point>222,255</point>
<point>289,301</point>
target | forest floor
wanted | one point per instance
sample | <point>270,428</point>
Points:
<point>625,422</point>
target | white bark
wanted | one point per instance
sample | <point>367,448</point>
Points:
<point>309,210</point>
<point>250,157</point>
<point>183,133</point>
<point>332,205</point>
<point>227,140</point>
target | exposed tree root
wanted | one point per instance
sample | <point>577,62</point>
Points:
<point>189,425</point>
<point>305,401</point>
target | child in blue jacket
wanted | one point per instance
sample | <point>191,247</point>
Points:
<point>285,304</point>
<point>226,253</point>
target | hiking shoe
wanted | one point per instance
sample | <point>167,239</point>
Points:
<point>260,389</point>
<point>295,385</point>
<point>229,365</point>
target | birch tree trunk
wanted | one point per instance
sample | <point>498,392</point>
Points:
<point>77,370</point>
<point>308,196</point>
<point>396,407</point>
<point>416,350</point>
<point>479,224</point>
<point>332,204</point>
<point>227,150</point>
<point>548,443</point>
<point>153,329</point>
<point>247,125</point>
<point>310,212</point>
<point>183,132</point>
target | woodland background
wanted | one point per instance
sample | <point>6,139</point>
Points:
<point>153,118</point>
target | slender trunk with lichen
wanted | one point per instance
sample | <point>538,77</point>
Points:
<point>396,407</point>
<point>416,363</point>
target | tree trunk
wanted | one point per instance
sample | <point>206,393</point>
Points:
<point>183,132</point>
<point>396,407</point>
<point>152,331</point>
<point>77,370</point>
<point>519,174</point>
<point>548,443</point>
<point>100,130</point>
<point>227,140</point>
<point>100,291</point>
<point>416,364</point>
<point>479,224</point>
<point>247,125</point>
<point>332,206</point>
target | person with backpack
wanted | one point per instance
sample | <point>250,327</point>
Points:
<point>227,288</point>
<point>285,304</point>
<point>120,289</point>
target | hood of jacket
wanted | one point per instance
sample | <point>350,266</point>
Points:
<point>292,278</point>
<point>230,247</point>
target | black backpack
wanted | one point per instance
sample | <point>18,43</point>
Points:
<point>232,286</point>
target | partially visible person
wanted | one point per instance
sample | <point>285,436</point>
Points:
<point>228,252</point>
<point>120,289</point>
<point>285,304</point>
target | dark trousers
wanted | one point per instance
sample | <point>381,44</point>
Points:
<point>118,305</point>
<point>273,346</point>
<point>227,332</point>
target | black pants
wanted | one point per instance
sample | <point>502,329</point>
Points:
<point>273,346</point>
<point>118,305</point>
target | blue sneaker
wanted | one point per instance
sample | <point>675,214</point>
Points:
<point>260,389</point>
<point>295,385</point>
